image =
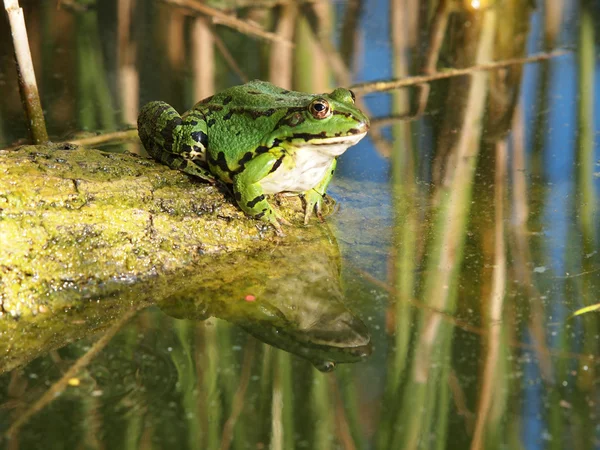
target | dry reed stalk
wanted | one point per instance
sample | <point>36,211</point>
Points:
<point>281,57</point>
<point>129,80</point>
<point>495,304</point>
<point>203,58</point>
<point>27,83</point>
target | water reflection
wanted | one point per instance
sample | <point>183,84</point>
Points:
<point>289,297</point>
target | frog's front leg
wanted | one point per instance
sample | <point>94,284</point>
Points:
<point>249,193</point>
<point>313,198</point>
<point>179,142</point>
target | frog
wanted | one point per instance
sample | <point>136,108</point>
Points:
<point>259,139</point>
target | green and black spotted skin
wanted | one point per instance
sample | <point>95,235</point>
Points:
<point>259,138</point>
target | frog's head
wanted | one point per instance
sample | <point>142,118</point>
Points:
<point>329,122</point>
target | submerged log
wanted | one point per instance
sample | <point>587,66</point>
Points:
<point>87,236</point>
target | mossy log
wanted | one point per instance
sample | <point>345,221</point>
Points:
<point>78,223</point>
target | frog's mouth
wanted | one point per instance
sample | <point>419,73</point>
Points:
<point>333,146</point>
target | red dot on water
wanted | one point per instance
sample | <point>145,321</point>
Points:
<point>250,298</point>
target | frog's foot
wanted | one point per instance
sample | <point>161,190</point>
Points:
<point>191,167</point>
<point>274,218</point>
<point>280,218</point>
<point>313,202</point>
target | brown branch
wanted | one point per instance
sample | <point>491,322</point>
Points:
<point>219,17</point>
<point>388,85</point>
<point>238,400</point>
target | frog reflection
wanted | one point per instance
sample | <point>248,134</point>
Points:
<point>289,297</point>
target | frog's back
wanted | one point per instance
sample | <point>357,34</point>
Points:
<point>258,95</point>
<point>239,118</point>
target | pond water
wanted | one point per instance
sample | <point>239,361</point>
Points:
<point>434,308</point>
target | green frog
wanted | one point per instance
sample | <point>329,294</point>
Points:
<point>259,138</point>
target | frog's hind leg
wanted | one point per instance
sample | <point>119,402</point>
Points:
<point>179,142</point>
<point>314,198</point>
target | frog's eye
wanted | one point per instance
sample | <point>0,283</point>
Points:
<point>320,109</point>
<point>352,95</point>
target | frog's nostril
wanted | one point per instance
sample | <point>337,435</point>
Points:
<point>362,127</point>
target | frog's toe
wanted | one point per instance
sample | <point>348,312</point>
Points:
<point>274,218</point>
<point>278,229</point>
<point>279,218</point>
<point>312,203</point>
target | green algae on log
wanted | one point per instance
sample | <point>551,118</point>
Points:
<point>80,224</point>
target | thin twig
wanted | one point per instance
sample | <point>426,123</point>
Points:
<point>465,326</point>
<point>269,4</point>
<point>388,85</point>
<point>127,135</point>
<point>57,388</point>
<point>393,119</point>
<point>220,17</point>
<point>341,421</point>
<point>227,56</point>
<point>460,401</point>
<point>29,91</point>
<point>238,399</point>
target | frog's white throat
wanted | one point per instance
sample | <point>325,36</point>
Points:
<point>308,164</point>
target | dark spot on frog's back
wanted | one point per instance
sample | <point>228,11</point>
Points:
<point>254,93</point>
<point>262,149</point>
<point>247,157</point>
<point>213,108</point>
<point>168,132</point>
<point>210,123</point>
<point>255,113</point>
<point>227,99</point>
<point>207,99</point>
<point>220,162</point>
<point>228,115</point>
<point>200,137</point>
